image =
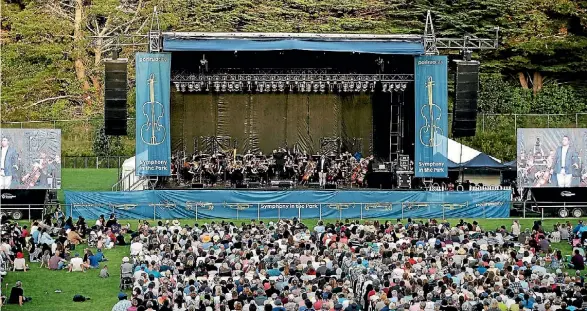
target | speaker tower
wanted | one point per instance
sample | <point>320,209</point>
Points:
<point>464,122</point>
<point>115,88</point>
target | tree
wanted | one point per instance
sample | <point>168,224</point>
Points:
<point>107,145</point>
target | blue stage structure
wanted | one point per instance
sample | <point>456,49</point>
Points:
<point>243,204</point>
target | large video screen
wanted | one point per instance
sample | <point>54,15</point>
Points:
<point>30,159</point>
<point>552,157</point>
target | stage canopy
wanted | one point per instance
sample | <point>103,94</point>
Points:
<point>484,162</point>
<point>229,42</point>
<point>469,158</point>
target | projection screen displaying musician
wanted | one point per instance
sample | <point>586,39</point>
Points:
<point>30,159</point>
<point>552,157</point>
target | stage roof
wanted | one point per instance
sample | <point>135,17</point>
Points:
<point>229,42</point>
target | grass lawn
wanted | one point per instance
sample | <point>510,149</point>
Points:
<point>86,179</point>
<point>42,283</point>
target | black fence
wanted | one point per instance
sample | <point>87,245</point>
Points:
<point>93,162</point>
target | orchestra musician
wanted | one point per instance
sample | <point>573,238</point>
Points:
<point>279,156</point>
<point>323,165</point>
<point>42,172</point>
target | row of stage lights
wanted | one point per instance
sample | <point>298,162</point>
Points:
<point>283,86</point>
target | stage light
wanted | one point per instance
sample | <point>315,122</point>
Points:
<point>191,87</point>
<point>230,87</point>
<point>224,87</point>
<point>322,87</point>
<point>384,87</point>
<point>316,87</point>
<point>198,87</point>
<point>177,86</point>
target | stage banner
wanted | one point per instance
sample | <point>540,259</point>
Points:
<point>246,205</point>
<point>153,143</point>
<point>431,74</point>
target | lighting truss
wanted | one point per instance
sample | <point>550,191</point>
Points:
<point>290,82</point>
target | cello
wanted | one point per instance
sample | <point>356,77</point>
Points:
<point>311,166</point>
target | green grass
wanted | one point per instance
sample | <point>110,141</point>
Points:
<point>42,283</point>
<point>86,179</point>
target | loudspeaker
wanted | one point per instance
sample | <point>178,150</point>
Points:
<point>330,186</point>
<point>115,88</point>
<point>464,122</point>
<point>197,186</point>
<point>241,186</point>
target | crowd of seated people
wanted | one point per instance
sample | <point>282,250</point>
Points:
<point>391,266</point>
<point>54,243</point>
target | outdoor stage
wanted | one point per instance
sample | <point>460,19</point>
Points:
<point>243,204</point>
<point>228,95</point>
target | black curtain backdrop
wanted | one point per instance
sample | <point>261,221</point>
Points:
<point>264,122</point>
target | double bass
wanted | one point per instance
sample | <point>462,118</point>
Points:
<point>30,180</point>
<point>310,167</point>
<point>432,114</point>
<point>153,132</point>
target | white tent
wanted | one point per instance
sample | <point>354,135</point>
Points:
<point>129,179</point>
<point>454,152</point>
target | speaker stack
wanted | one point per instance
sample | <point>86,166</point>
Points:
<point>464,122</point>
<point>115,88</point>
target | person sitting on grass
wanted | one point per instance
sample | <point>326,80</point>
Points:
<point>104,272</point>
<point>19,263</point>
<point>76,264</point>
<point>56,262</point>
<point>90,261</point>
<point>100,256</point>
<point>17,295</point>
<point>45,259</point>
<point>577,261</point>
<point>73,237</point>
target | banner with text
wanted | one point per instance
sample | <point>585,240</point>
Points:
<point>431,87</point>
<point>153,143</point>
<point>245,204</point>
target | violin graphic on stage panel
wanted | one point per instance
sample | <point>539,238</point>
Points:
<point>153,132</point>
<point>431,133</point>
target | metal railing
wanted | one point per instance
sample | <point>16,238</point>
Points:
<point>129,183</point>
<point>197,210</point>
<point>14,211</point>
<point>93,162</point>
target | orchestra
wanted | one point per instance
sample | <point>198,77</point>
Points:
<point>228,167</point>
